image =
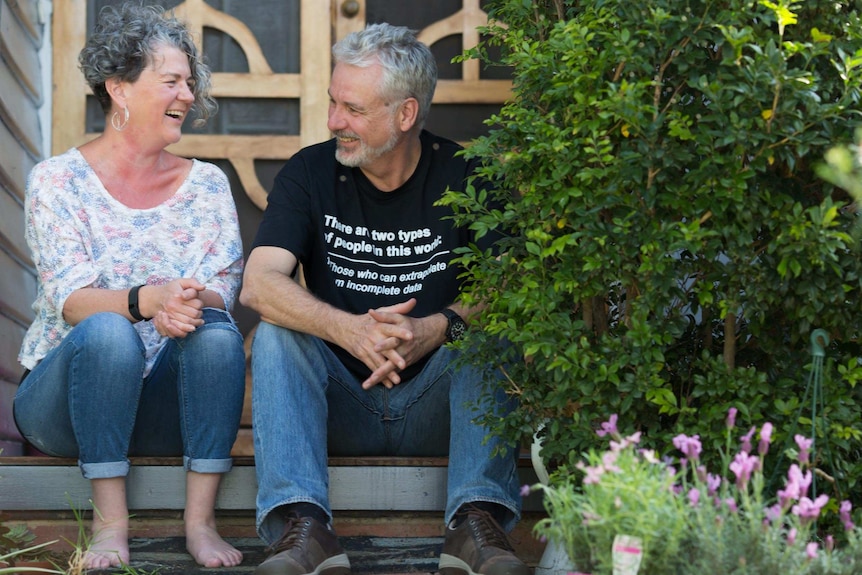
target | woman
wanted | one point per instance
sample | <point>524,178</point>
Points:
<point>133,351</point>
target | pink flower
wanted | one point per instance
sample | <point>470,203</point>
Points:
<point>525,490</point>
<point>746,440</point>
<point>796,486</point>
<point>791,536</point>
<point>731,504</point>
<point>844,513</point>
<point>809,510</point>
<point>830,543</point>
<point>609,459</point>
<point>609,427</point>
<point>731,418</point>
<point>693,496</point>
<point>690,446</point>
<point>649,456</point>
<point>765,438</point>
<point>773,513</point>
<point>811,550</point>
<point>713,482</point>
<point>593,474</point>
<point>743,465</point>
<point>804,444</point>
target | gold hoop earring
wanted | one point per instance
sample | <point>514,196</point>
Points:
<point>115,120</point>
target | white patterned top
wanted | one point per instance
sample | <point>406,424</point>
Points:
<point>81,236</point>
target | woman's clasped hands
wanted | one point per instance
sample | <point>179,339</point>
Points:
<point>179,307</point>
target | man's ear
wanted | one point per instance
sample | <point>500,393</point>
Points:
<point>408,114</point>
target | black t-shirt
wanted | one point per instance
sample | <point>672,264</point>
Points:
<point>361,248</point>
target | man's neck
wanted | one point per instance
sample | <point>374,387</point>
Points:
<point>391,171</point>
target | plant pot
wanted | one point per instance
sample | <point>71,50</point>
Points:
<point>554,561</point>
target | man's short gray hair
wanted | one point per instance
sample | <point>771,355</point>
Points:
<point>409,68</point>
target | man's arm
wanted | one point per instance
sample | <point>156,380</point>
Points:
<point>269,290</point>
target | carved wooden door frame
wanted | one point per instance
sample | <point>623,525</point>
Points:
<point>309,88</point>
<point>321,20</point>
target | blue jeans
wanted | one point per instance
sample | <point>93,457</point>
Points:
<point>306,405</point>
<point>88,397</point>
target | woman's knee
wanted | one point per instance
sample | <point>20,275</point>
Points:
<point>106,330</point>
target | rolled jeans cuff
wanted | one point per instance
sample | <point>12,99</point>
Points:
<point>207,465</point>
<point>106,470</point>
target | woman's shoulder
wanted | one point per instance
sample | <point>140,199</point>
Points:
<point>66,160</point>
<point>202,168</point>
<point>58,169</point>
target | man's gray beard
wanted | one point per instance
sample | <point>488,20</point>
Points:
<point>347,160</point>
<point>365,155</point>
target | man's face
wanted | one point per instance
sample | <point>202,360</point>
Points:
<point>364,124</point>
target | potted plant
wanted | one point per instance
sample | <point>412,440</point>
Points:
<point>632,511</point>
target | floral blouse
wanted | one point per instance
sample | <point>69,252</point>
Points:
<point>81,236</point>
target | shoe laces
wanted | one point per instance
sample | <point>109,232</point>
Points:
<point>295,533</point>
<point>486,530</point>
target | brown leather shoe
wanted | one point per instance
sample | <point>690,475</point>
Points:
<point>307,547</point>
<point>478,546</point>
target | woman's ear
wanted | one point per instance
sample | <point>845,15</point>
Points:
<point>408,114</point>
<point>116,90</point>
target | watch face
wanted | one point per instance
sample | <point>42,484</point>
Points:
<point>456,330</point>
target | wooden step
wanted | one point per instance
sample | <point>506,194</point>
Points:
<point>384,543</point>
<point>400,484</point>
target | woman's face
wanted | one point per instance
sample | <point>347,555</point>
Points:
<point>161,98</point>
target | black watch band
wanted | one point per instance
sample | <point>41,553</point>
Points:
<point>134,310</point>
<point>457,326</point>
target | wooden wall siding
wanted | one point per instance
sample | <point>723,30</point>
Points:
<point>21,94</point>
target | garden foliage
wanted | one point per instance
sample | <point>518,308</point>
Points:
<point>668,247</point>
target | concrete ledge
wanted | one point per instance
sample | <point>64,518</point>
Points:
<point>356,484</point>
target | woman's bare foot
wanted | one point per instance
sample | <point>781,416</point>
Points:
<point>109,547</point>
<point>209,549</point>
<point>109,539</point>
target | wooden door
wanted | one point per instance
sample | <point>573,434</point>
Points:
<point>271,64</point>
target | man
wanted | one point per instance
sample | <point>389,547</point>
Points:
<point>355,363</point>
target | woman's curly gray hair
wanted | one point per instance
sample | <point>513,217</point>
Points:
<point>124,43</point>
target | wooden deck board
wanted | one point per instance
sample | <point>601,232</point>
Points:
<point>379,484</point>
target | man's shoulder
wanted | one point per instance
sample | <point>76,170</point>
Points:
<point>320,152</point>
<point>439,143</point>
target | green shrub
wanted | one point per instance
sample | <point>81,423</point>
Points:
<point>668,247</point>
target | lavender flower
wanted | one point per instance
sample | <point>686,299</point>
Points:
<point>713,482</point>
<point>730,422</point>
<point>808,510</point>
<point>743,465</point>
<point>693,496</point>
<point>844,513</point>
<point>791,536</point>
<point>746,440</point>
<point>773,513</point>
<point>796,486</point>
<point>690,446</point>
<point>609,427</point>
<point>804,444</point>
<point>765,438</point>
